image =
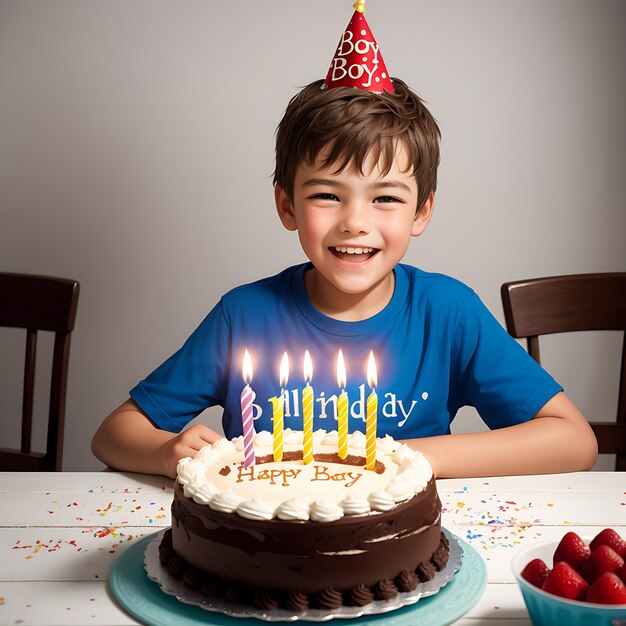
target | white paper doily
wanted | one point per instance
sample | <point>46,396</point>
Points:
<point>175,587</point>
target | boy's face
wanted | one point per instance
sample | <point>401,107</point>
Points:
<point>355,229</point>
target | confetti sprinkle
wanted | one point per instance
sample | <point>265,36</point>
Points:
<point>494,523</point>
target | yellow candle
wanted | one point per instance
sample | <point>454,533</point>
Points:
<point>307,408</point>
<point>342,409</point>
<point>277,415</point>
<point>278,410</point>
<point>371,416</point>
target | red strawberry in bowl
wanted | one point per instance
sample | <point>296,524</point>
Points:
<point>608,537</point>
<point>607,589</point>
<point>564,581</point>
<point>595,595</point>
<point>572,550</point>
<point>602,559</point>
<point>535,572</point>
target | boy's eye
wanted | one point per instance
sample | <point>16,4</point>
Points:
<point>325,196</point>
<point>387,199</point>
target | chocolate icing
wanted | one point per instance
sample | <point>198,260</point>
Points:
<point>295,564</point>
<point>407,580</point>
<point>265,599</point>
<point>210,586</point>
<point>359,595</point>
<point>329,598</point>
<point>296,601</point>
<point>326,598</point>
<point>385,589</point>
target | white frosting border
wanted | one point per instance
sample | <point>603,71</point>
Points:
<point>413,474</point>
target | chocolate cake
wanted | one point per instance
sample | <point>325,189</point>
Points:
<point>289,535</point>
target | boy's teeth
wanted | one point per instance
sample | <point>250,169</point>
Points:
<point>354,250</point>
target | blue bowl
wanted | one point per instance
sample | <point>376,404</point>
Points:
<point>546,609</point>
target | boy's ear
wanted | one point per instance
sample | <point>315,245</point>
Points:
<point>284,206</point>
<point>422,218</point>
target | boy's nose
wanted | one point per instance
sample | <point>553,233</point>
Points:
<point>354,221</point>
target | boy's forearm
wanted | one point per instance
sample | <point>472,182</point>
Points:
<point>546,444</point>
<point>127,440</point>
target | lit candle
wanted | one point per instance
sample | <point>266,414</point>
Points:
<point>307,408</point>
<point>372,416</point>
<point>278,405</point>
<point>342,409</point>
<point>247,398</point>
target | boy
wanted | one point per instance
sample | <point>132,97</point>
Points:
<point>355,177</point>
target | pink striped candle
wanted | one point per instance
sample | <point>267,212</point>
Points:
<point>307,409</point>
<point>247,398</point>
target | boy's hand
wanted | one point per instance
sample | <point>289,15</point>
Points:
<point>186,443</point>
<point>127,440</point>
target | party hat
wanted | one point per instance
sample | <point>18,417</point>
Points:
<point>357,61</point>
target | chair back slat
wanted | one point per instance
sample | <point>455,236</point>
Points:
<point>29,389</point>
<point>621,400</point>
<point>533,347</point>
<point>58,387</point>
<point>40,303</point>
<point>580,302</point>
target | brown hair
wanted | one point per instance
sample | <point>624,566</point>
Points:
<point>353,122</point>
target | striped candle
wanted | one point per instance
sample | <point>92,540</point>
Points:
<point>371,416</point>
<point>278,410</point>
<point>278,422</point>
<point>307,409</point>
<point>247,398</point>
<point>342,409</point>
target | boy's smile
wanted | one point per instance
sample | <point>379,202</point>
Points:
<point>353,254</point>
<point>355,228</point>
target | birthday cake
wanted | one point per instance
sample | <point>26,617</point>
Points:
<point>296,536</point>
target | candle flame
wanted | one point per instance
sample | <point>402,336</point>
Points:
<point>308,367</point>
<point>341,371</point>
<point>372,379</point>
<point>284,370</point>
<point>247,367</point>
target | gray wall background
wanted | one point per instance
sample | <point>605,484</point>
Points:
<point>136,152</point>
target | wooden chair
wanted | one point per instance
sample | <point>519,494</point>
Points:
<point>563,304</point>
<point>48,304</point>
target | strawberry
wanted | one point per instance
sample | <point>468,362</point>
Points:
<point>572,550</point>
<point>602,559</point>
<point>622,573</point>
<point>608,537</point>
<point>607,589</point>
<point>564,581</point>
<point>535,572</point>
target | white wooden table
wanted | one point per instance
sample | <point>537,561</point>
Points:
<point>60,533</point>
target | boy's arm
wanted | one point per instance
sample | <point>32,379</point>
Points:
<point>128,440</point>
<point>557,439</point>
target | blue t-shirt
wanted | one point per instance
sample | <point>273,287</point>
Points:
<point>436,346</point>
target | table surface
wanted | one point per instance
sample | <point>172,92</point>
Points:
<point>60,534</point>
